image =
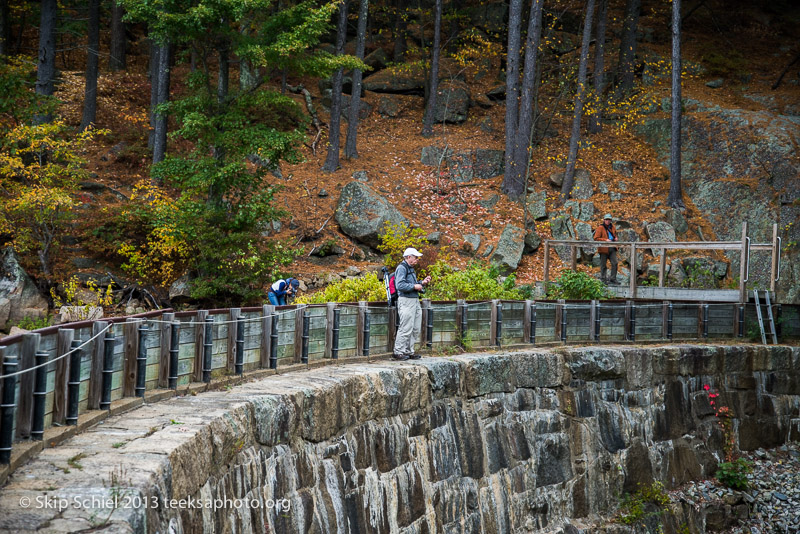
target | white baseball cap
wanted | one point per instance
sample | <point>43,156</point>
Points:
<point>411,251</point>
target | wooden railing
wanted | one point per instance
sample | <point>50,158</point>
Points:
<point>56,375</point>
<point>745,247</point>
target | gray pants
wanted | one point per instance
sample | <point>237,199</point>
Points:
<point>612,256</point>
<point>410,313</point>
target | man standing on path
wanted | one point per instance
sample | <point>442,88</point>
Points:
<point>607,232</point>
<point>408,307</point>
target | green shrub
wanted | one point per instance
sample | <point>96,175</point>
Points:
<point>34,323</point>
<point>475,282</point>
<point>577,286</point>
<point>365,287</point>
<point>734,474</point>
<point>646,502</point>
<point>395,238</point>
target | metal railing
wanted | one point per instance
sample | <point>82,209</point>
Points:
<point>745,247</point>
<point>53,376</point>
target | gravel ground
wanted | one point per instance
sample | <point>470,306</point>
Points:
<point>773,497</point>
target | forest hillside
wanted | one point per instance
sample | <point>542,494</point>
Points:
<point>189,153</point>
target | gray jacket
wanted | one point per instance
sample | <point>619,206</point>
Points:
<point>405,278</point>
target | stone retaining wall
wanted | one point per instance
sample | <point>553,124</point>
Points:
<point>495,443</point>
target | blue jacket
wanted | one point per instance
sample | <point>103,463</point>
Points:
<point>279,288</point>
<point>405,278</point>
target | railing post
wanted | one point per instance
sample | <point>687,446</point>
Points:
<point>141,361</point>
<point>633,272</point>
<point>743,260</point>
<point>365,346</point>
<point>669,321</point>
<point>74,383</point>
<point>27,356</point>
<point>239,365</point>
<point>63,343</point>
<point>306,326</point>
<point>39,394</point>
<point>633,322</point>
<point>429,329</point>
<point>7,408</point>
<point>499,321</point>
<point>208,332</point>
<point>596,320</point>
<point>426,307</point>
<point>563,306</point>
<point>231,344</point>
<point>776,254</point>
<point>266,329</point>
<point>164,329</point>
<point>273,343</point>
<point>108,369</point>
<point>741,320</point>
<point>464,322</point>
<point>705,321</point>
<point>493,323</point>
<point>533,323</point>
<point>174,352</point>
<point>335,335</point>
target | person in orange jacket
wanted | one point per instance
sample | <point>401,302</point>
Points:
<point>607,232</point>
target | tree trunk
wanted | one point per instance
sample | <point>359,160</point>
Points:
<point>162,97</point>
<point>399,31</point>
<point>575,136</point>
<point>332,159</point>
<point>675,198</point>
<point>522,145</point>
<point>5,28</point>
<point>46,71</point>
<point>153,74</point>
<point>223,76</point>
<point>430,107</point>
<point>627,48</point>
<point>596,117</point>
<point>351,145</point>
<point>455,28</point>
<point>92,59</point>
<point>512,94</point>
<point>117,55</point>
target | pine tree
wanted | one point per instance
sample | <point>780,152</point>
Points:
<point>332,159</point>
<point>351,145</point>
<point>580,95</point>
<point>675,198</point>
<point>433,84</point>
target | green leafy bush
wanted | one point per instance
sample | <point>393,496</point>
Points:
<point>34,323</point>
<point>646,502</point>
<point>395,238</point>
<point>476,282</point>
<point>365,287</point>
<point>734,474</point>
<point>577,286</point>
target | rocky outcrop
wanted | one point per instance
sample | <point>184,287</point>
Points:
<point>19,296</point>
<point>509,249</point>
<point>452,102</point>
<point>362,213</point>
<point>502,443</point>
<point>464,166</point>
<point>410,78</point>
